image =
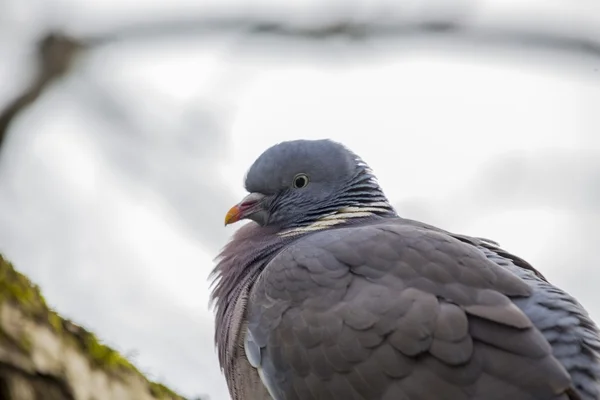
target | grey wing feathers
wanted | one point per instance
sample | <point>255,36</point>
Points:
<point>392,311</point>
<point>565,324</point>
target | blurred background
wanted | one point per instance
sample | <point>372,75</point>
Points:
<point>126,128</point>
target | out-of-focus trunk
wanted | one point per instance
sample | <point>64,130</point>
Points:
<point>45,357</point>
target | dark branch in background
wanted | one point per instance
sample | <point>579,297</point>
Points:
<point>55,55</point>
<point>56,52</point>
<point>509,35</point>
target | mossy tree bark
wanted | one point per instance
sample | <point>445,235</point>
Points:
<point>46,357</point>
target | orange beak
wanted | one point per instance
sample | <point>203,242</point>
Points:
<point>233,215</point>
<point>248,206</point>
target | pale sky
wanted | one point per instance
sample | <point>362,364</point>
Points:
<point>115,184</point>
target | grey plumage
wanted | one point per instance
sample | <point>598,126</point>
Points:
<point>330,294</point>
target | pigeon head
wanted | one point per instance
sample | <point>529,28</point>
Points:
<point>296,183</point>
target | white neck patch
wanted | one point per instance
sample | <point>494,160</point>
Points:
<point>338,217</point>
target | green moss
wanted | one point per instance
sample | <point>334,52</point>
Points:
<point>55,322</point>
<point>17,289</point>
<point>162,392</point>
<point>105,356</point>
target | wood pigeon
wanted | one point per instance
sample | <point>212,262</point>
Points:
<point>328,294</point>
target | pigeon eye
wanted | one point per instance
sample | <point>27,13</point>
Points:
<point>300,181</point>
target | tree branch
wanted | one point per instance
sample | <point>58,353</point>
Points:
<point>55,55</point>
<point>558,37</point>
<point>56,52</point>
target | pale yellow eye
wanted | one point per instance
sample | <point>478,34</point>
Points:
<point>300,181</point>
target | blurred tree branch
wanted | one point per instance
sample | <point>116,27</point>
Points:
<point>56,52</point>
<point>506,34</point>
<point>55,55</point>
